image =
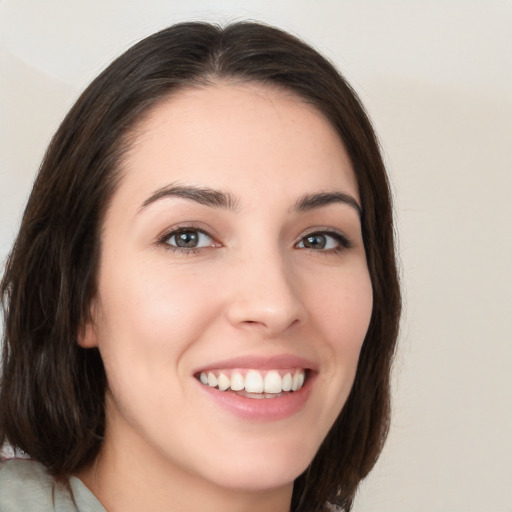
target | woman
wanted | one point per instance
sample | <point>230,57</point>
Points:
<point>202,304</point>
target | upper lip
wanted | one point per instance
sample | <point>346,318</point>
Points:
<point>259,362</point>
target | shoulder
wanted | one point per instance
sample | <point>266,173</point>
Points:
<point>26,485</point>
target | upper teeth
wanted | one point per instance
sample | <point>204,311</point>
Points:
<point>255,381</point>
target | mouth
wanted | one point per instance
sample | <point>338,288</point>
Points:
<point>259,388</point>
<point>255,383</point>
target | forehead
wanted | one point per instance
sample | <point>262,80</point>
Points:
<point>241,138</point>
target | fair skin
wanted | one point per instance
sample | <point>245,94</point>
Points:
<point>232,246</point>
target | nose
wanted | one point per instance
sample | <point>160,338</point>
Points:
<point>265,295</point>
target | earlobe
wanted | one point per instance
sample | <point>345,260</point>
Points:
<point>87,337</point>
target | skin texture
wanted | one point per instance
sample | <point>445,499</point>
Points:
<point>252,288</point>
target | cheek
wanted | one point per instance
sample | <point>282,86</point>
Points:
<point>344,307</point>
<point>164,302</point>
<point>148,320</point>
<point>343,319</point>
<point>147,325</point>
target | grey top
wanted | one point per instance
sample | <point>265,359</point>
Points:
<point>25,485</point>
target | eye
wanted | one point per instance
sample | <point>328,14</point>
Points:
<point>324,241</point>
<point>188,238</point>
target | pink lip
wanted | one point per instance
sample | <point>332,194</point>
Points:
<point>267,409</point>
<point>282,361</point>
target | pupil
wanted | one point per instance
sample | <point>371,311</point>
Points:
<point>315,241</point>
<point>187,239</point>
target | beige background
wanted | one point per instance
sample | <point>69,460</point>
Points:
<point>436,77</point>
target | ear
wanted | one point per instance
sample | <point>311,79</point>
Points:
<point>87,336</point>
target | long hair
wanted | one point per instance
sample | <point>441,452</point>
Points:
<point>52,390</point>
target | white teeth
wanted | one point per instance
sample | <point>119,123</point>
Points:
<point>298,380</point>
<point>224,382</point>
<point>273,382</point>
<point>254,382</point>
<point>237,382</point>
<point>212,380</point>
<point>287,382</point>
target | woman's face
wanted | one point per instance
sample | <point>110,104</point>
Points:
<point>232,258</point>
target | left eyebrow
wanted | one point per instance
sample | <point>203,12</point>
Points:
<point>312,201</point>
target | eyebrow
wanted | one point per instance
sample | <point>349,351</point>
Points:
<point>202,195</point>
<point>312,201</point>
<point>219,199</point>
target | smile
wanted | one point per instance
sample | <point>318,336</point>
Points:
<point>253,383</point>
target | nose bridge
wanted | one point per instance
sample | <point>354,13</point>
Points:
<point>265,292</point>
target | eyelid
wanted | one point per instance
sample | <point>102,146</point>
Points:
<point>339,236</point>
<point>162,239</point>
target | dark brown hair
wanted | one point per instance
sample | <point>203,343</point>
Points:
<point>52,390</point>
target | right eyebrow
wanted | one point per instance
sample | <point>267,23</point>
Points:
<point>202,195</point>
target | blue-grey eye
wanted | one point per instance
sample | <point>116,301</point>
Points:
<point>321,241</point>
<point>189,239</point>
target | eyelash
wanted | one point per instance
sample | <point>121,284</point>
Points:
<point>164,240</point>
<point>342,241</point>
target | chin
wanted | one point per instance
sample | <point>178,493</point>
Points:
<point>264,471</point>
<point>258,479</point>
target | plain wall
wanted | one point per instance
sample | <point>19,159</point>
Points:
<point>436,77</point>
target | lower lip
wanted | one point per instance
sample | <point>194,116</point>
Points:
<point>264,409</point>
